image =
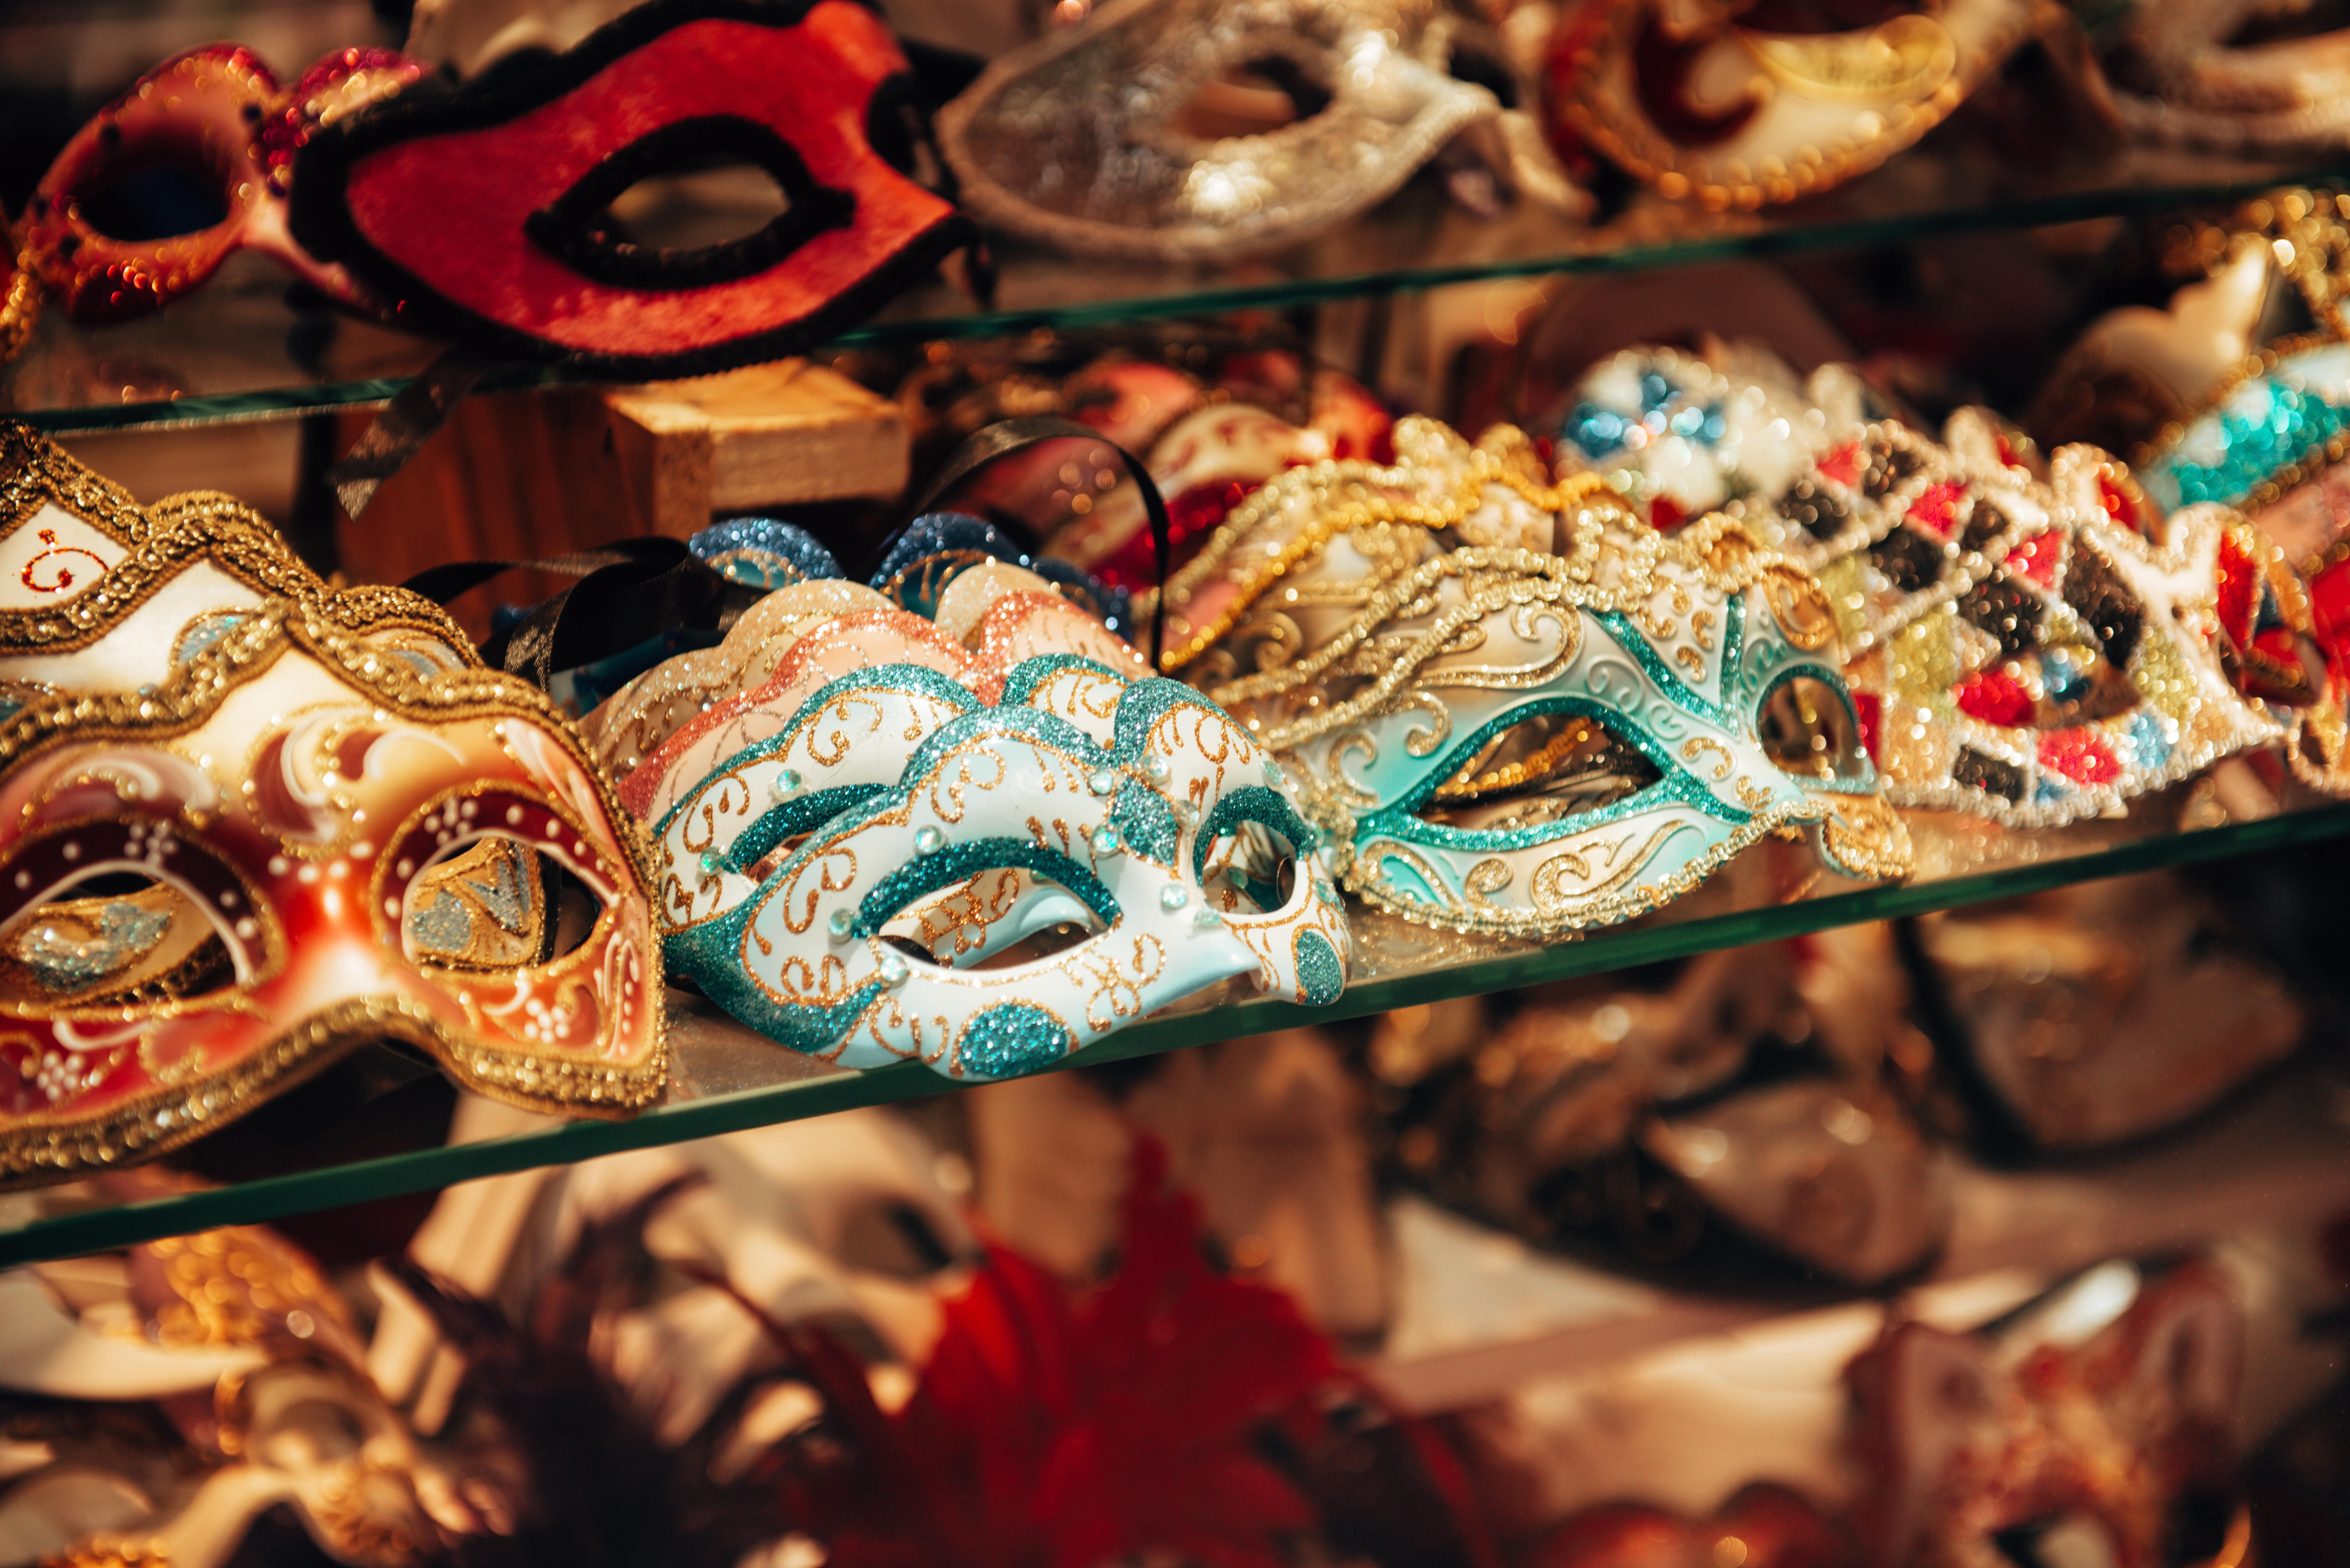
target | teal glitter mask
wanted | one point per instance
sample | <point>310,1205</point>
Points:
<point>840,885</point>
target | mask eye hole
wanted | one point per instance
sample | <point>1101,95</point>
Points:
<point>1808,729</point>
<point>588,227</point>
<point>156,200</point>
<point>495,904</point>
<point>1252,99</point>
<point>1543,769</point>
<point>1030,903</point>
<point>1479,67</point>
<point>1249,845</point>
<point>113,938</point>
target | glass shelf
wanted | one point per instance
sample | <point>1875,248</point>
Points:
<point>237,351</point>
<point>725,1079</point>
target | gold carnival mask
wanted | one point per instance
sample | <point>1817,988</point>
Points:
<point>1506,739</point>
<point>1755,101</point>
<point>251,823</point>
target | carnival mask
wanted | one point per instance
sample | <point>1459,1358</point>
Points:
<point>217,116</point>
<point>2034,651</point>
<point>939,828</point>
<point>1097,137</point>
<point>1758,101</point>
<point>2180,73</point>
<point>193,1386</point>
<point>481,213</point>
<point>1506,740</point>
<point>2103,1412</point>
<point>255,823</point>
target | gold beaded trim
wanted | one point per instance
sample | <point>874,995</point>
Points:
<point>1346,496</point>
<point>34,1152</point>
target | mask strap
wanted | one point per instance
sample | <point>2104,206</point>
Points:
<point>1007,436</point>
<point>399,432</point>
<point>627,594</point>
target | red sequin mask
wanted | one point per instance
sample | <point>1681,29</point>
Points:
<point>481,213</point>
<point>218,115</point>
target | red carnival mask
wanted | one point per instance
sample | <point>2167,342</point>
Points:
<point>216,113</point>
<point>481,212</point>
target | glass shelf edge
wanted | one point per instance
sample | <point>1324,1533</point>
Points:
<point>276,1198</point>
<point>2028,212</point>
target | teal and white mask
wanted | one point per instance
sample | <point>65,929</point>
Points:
<point>854,884</point>
<point>1525,743</point>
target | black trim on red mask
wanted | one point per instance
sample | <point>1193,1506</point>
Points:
<point>481,217</point>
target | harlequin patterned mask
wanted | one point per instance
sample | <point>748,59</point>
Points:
<point>217,114</point>
<point>2034,651</point>
<point>481,212</point>
<point>1517,741</point>
<point>1080,139</point>
<point>940,829</point>
<point>1757,101</point>
<point>332,821</point>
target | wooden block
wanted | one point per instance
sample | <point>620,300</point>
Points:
<point>766,436</point>
<point>524,475</point>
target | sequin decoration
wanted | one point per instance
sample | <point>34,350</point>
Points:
<point>1009,1039</point>
<point>763,552</point>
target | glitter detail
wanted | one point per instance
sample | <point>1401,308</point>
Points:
<point>1321,976</point>
<point>1009,1039</point>
<point>1145,825</point>
<point>1252,803</point>
<point>66,954</point>
<point>764,553</point>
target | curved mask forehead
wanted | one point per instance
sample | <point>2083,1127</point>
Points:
<point>293,790</point>
<point>1075,139</point>
<point>825,653</point>
<point>99,594</point>
<point>637,718</point>
<point>483,206</point>
<point>1013,808</point>
<point>1684,97</point>
<point>1662,679</point>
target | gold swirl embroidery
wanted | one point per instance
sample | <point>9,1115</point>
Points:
<point>1703,744</point>
<point>64,577</point>
<point>1550,900</point>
